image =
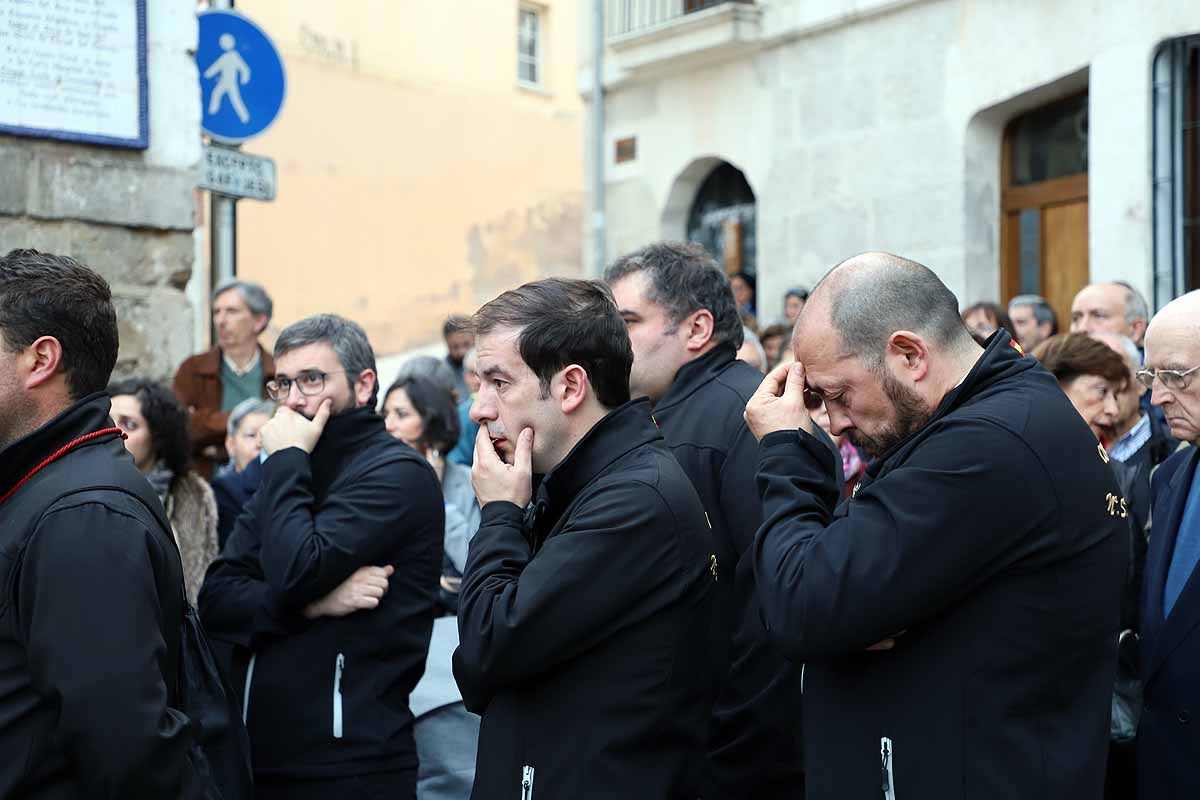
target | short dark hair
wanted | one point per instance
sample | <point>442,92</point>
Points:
<point>48,295</point>
<point>435,406</point>
<point>562,321</point>
<point>1071,355</point>
<point>167,419</point>
<point>348,340</point>
<point>891,293</point>
<point>455,323</point>
<point>683,278</point>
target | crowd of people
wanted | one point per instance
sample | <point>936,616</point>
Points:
<point>623,540</point>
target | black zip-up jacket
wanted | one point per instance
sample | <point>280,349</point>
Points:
<point>754,737</point>
<point>91,611</point>
<point>991,544</point>
<point>582,625</point>
<point>328,698</point>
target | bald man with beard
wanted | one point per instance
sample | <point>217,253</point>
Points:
<point>956,616</point>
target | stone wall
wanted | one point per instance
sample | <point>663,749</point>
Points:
<point>877,125</point>
<point>128,214</point>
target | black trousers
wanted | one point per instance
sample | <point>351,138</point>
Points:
<point>377,786</point>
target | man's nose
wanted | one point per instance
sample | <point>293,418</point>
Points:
<point>839,423</point>
<point>1159,394</point>
<point>482,409</point>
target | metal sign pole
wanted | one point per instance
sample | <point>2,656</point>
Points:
<point>222,228</point>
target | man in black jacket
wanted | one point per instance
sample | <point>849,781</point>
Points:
<point>957,615</point>
<point>91,586</point>
<point>327,584</point>
<point>685,330</point>
<point>582,619</point>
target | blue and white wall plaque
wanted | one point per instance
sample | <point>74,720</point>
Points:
<point>75,70</point>
<point>242,82</point>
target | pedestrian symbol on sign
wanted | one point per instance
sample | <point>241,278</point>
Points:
<point>242,84</point>
<point>232,70</point>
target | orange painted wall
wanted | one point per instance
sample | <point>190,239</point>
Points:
<point>416,177</point>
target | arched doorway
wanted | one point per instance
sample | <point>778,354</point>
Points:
<point>723,218</point>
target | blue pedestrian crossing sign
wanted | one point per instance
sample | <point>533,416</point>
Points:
<point>241,77</point>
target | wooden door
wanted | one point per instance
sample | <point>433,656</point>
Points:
<point>1044,206</point>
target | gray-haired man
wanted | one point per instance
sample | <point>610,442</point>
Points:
<point>235,482</point>
<point>327,584</point>
<point>1033,320</point>
<point>210,384</point>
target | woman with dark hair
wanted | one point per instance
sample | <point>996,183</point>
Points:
<point>743,285</point>
<point>1092,375</point>
<point>156,431</point>
<point>984,319</point>
<point>423,415</point>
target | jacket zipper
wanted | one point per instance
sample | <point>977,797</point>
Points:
<point>527,783</point>
<point>887,757</point>
<point>337,696</point>
<point>246,691</point>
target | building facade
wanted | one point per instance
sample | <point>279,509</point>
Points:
<point>1011,146</point>
<point>429,157</point>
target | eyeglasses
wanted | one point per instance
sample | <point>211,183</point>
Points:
<point>309,383</point>
<point>1173,379</point>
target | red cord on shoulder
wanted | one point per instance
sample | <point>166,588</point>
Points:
<point>59,453</point>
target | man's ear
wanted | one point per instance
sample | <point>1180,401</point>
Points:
<point>364,387</point>
<point>260,324</point>
<point>911,351</point>
<point>573,385</point>
<point>43,360</point>
<point>699,325</point>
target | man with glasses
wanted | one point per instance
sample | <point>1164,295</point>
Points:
<point>1168,747</point>
<point>327,584</point>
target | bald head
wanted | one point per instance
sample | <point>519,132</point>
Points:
<point>1173,344</point>
<point>867,298</point>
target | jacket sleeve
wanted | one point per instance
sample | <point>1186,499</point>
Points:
<point>519,616</point>
<point>92,615</point>
<point>236,604</point>
<point>306,552</point>
<point>207,425</point>
<point>912,543</point>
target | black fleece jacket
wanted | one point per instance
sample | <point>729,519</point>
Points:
<point>328,697</point>
<point>91,611</point>
<point>991,544</point>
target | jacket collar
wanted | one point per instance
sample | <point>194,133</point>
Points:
<point>697,373</point>
<point>345,433</point>
<point>210,363</point>
<point>85,416</point>
<point>1001,360</point>
<point>626,428</point>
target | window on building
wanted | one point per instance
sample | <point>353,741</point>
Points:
<point>529,46</point>
<point>1176,156</point>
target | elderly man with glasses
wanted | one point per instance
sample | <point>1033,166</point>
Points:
<point>326,587</point>
<point>1168,747</point>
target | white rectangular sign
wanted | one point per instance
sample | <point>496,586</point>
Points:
<point>75,70</point>
<point>236,174</point>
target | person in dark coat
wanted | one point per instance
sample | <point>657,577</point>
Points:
<point>957,615</point>
<point>584,603</point>
<point>327,584</point>
<point>235,483</point>
<point>684,328</point>
<point>91,584</point>
<point>1168,744</point>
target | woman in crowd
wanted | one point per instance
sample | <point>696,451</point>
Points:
<point>984,319</point>
<point>423,415</point>
<point>156,430</point>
